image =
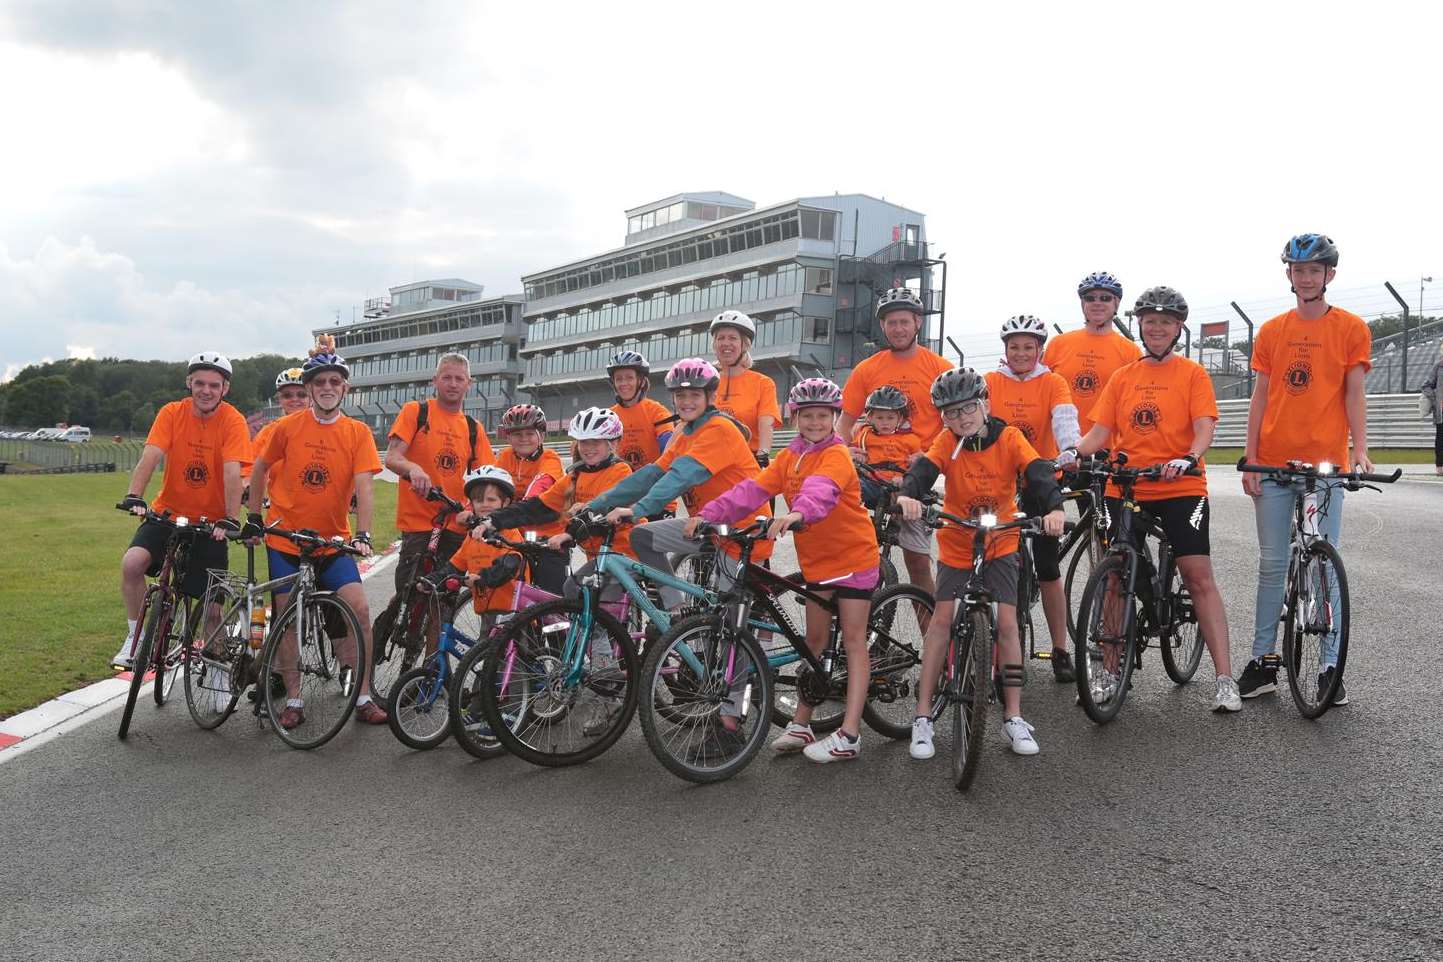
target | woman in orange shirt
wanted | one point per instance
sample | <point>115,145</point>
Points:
<point>534,469</point>
<point>837,549</point>
<point>747,395</point>
<point>1161,409</point>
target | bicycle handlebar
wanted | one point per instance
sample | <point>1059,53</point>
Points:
<point>756,531</point>
<point>1301,469</point>
<point>201,526</point>
<point>308,540</point>
<point>452,507</point>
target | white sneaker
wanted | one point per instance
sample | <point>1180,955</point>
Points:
<point>836,747</point>
<point>922,739</point>
<point>125,657</point>
<point>794,739</point>
<point>1227,698</point>
<point>1019,735</point>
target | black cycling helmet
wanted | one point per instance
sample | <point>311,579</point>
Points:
<point>629,359</point>
<point>1310,249</point>
<point>1163,300</point>
<point>887,398</point>
<point>958,386</point>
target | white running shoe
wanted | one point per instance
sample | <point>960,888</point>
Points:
<point>922,739</point>
<point>1228,697</point>
<point>1019,735</point>
<point>794,739</point>
<point>125,657</point>
<point>836,747</point>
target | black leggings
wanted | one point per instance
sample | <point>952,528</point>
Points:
<point>1438,446</point>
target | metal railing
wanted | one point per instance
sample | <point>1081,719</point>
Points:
<point>60,457</point>
<point>1393,422</point>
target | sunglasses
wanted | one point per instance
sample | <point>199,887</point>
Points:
<point>1098,298</point>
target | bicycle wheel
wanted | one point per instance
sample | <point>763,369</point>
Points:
<point>1086,556</point>
<point>212,683</point>
<point>716,685</point>
<point>326,683</point>
<point>1181,642</point>
<point>894,642</point>
<point>791,671</point>
<point>1316,611</point>
<point>419,708</point>
<point>177,635</point>
<point>150,614</point>
<point>972,678</point>
<point>558,687</point>
<point>398,640</point>
<point>464,708</point>
<point>1104,657</point>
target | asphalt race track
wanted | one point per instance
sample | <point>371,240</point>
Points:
<point>1170,834</point>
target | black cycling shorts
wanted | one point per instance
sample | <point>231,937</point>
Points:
<point>1184,520</point>
<point>205,553</point>
<point>1044,548</point>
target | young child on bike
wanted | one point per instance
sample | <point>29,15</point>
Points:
<point>837,549</point>
<point>534,468</point>
<point>980,458</point>
<point>489,570</point>
<point>883,436</point>
<point>707,455</point>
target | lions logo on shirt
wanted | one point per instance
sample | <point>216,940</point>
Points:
<point>633,458</point>
<point>1298,377</point>
<point>447,461</point>
<point>1085,382</point>
<point>1145,417</point>
<point>1028,431</point>
<point>315,476</point>
<point>980,506</point>
<point>197,473</point>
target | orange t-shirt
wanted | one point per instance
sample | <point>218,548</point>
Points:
<point>913,377</point>
<point>258,444</point>
<point>719,447</point>
<point>842,543</point>
<point>746,397</point>
<point>878,448</point>
<point>588,485</point>
<point>1307,363</point>
<point>978,482</point>
<point>525,473</point>
<point>442,451</point>
<point>318,467</point>
<point>196,451</point>
<point>1150,408</point>
<point>639,445</point>
<point>1027,406</point>
<point>475,555</point>
<point>1086,361</point>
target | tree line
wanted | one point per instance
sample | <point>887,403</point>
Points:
<point>120,396</point>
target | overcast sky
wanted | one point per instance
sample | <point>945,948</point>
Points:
<point>227,176</point>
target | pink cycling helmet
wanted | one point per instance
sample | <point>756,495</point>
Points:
<point>814,392</point>
<point>692,372</point>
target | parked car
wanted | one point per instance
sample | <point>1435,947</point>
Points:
<point>75,434</point>
<point>43,434</point>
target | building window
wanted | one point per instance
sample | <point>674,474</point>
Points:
<point>819,280</point>
<point>820,329</point>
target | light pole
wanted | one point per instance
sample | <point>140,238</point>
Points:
<point>1421,282</point>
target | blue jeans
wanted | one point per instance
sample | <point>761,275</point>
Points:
<point>1274,511</point>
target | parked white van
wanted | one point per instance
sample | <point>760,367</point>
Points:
<point>76,434</point>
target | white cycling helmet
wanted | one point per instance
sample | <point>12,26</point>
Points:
<point>1024,324</point>
<point>210,361</point>
<point>899,299</point>
<point>490,474</point>
<point>291,375</point>
<point>736,319</point>
<point>595,424</point>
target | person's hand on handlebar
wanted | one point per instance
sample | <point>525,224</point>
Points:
<point>1362,463</point>
<point>362,543</point>
<point>420,482</point>
<point>1052,523</point>
<point>780,525</point>
<point>133,503</point>
<point>1252,483</point>
<point>225,528</point>
<point>1177,467</point>
<point>558,541</point>
<point>857,454</point>
<point>1066,459</point>
<point>618,515</point>
<point>911,508</point>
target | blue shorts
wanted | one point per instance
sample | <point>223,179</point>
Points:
<point>332,573</point>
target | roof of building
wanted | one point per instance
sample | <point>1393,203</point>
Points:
<point>701,197</point>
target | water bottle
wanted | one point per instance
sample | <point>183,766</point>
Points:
<point>258,627</point>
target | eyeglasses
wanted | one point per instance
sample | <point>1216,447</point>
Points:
<point>957,411</point>
<point>323,381</point>
<point>1098,298</point>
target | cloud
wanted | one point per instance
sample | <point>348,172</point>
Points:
<point>79,352</point>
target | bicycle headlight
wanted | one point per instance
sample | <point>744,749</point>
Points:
<point>721,529</point>
<point>531,537</point>
<point>182,522</point>
<point>987,520</point>
<point>1325,467</point>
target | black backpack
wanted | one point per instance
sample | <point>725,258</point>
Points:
<point>422,425</point>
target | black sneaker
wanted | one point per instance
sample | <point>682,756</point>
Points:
<point>1062,670</point>
<point>1260,676</point>
<point>1340,697</point>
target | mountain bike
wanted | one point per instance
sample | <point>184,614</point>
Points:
<point>884,522</point>
<point>1316,608</point>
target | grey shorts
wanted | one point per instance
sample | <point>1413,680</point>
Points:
<point>999,576</point>
<point>914,536</point>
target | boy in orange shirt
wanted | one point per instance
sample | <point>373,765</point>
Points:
<point>1161,410</point>
<point>534,469</point>
<point>837,550</point>
<point>980,457</point>
<point>1308,398</point>
<point>488,570</point>
<point>881,438</point>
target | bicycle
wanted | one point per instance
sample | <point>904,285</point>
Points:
<point>298,649</point>
<point>1128,600</point>
<point>165,614</point>
<point>710,668</point>
<point>1316,607</point>
<point>884,522</point>
<point>401,632</point>
<point>1087,542</point>
<point>970,682</point>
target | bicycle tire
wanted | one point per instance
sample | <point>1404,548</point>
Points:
<point>1103,701</point>
<point>826,717</point>
<point>395,657</point>
<point>1302,649</point>
<point>168,666</point>
<point>1181,641</point>
<point>211,688</point>
<point>895,627</point>
<point>327,692</point>
<point>468,718</point>
<point>972,674</point>
<point>418,711</point>
<point>1086,556</point>
<point>526,662</point>
<point>691,742</point>
<point>150,614</point>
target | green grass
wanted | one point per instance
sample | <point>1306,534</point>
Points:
<point>1229,456</point>
<point>60,612</point>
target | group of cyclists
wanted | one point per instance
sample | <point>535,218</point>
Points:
<point>1002,441</point>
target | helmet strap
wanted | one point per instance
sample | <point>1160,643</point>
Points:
<point>1322,292</point>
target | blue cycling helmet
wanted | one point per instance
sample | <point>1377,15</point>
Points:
<point>1100,281</point>
<point>323,357</point>
<point>1311,249</point>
